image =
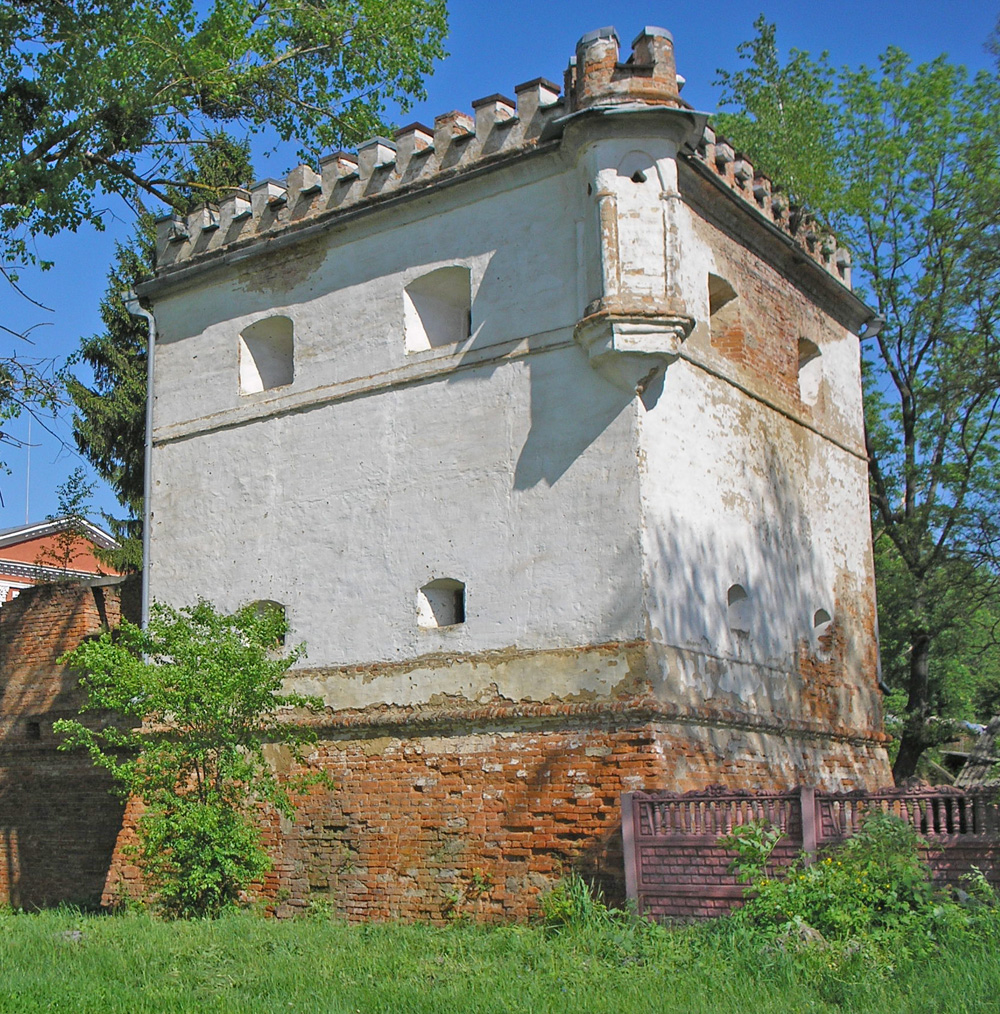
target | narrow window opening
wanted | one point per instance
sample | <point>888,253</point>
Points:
<point>739,609</point>
<point>821,618</point>
<point>810,371</point>
<point>264,606</point>
<point>720,294</point>
<point>724,316</point>
<point>438,309</point>
<point>638,176</point>
<point>441,603</point>
<point>267,357</point>
<point>34,730</point>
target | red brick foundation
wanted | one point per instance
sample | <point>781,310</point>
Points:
<point>478,820</point>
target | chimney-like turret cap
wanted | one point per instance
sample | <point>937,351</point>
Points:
<point>608,32</point>
<point>651,31</point>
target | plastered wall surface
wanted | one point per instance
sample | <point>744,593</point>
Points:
<point>596,470</point>
<point>342,513</point>
<point>744,484</point>
<point>515,232</point>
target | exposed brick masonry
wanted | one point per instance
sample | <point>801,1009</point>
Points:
<point>479,820</point>
<point>58,823</point>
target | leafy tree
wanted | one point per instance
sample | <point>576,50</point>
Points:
<point>108,96</point>
<point>103,97</point>
<point>964,654</point>
<point>110,418</point>
<point>904,163</point>
<point>218,167</point>
<point>785,117</point>
<point>198,693</point>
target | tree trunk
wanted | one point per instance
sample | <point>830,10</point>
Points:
<point>915,738</point>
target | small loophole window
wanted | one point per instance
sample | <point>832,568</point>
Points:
<point>724,315</point>
<point>810,371</point>
<point>739,609</point>
<point>441,603</point>
<point>267,355</point>
<point>438,309</point>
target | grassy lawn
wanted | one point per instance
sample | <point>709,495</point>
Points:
<point>64,961</point>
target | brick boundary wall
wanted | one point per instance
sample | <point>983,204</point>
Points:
<point>58,821</point>
<point>675,868</point>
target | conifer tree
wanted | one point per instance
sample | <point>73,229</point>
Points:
<point>110,414</point>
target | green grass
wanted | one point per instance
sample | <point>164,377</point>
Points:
<point>134,964</point>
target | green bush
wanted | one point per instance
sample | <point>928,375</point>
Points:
<point>198,694</point>
<point>199,856</point>
<point>860,915</point>
<point>873,884</point>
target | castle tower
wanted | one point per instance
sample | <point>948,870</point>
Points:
<point>544,426</point>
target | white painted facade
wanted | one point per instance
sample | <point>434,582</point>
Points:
<point>582,459</point>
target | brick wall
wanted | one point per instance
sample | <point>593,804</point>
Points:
<point>58,823</point>
<point>479,818</point>
<point>756,335</point>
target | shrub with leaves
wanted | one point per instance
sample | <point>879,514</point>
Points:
<point>753,844</point>
<point>198,694</point>
<point>875,883</point>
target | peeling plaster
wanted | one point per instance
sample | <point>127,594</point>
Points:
<point>589,462</point>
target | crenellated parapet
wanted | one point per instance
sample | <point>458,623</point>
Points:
<point>597,77</point>
<point>499,128</point>
<point>417,155</point>
<point>733,169</point>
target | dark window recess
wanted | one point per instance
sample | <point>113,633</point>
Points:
<point>441,603</point>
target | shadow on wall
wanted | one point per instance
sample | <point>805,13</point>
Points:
<point>442,843</point>
<point>570,404</point>
<point>747,588</point>
<point>58,821</point>
<point>568,414</point>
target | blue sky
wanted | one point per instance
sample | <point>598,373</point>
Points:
<point>492,47</point>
